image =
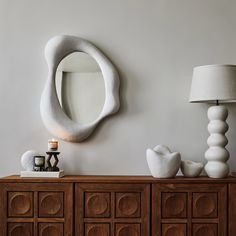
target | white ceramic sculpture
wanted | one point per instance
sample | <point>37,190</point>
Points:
<point>54,118</point>
<point>191,168</point>
<point>217,155</point>
<point>27,160</point>
<point>162,162</point>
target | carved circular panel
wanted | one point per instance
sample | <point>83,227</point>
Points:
<point>98,229</point>
<point>174,205</point>
<point>205,205</point>
<point>97,204</point>
<point>50,204</point>
<point>205,230</point>
<point>51,229</point>
<point>126,230</point>
<point>128,205</point>
<point>20,230</point>
<point>20,204</point>
<point>174,230</point>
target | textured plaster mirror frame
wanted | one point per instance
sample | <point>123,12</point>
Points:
<point>53,116</point>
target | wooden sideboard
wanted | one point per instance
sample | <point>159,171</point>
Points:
<point>117,206</point>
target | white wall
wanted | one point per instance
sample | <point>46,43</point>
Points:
<point>154,44</point>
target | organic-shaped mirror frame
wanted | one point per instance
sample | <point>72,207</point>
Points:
<point>54,118</point>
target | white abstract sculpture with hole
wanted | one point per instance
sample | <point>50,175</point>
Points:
<point>53,116</point>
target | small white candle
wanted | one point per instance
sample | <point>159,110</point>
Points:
<point>52,145</point>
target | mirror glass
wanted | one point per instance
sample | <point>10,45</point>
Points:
<point>80,87</point>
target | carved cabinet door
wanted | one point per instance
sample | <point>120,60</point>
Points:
<point>189,210</point>
<point>232,209</point>
<point>112,209</point>
<point>36,209</point>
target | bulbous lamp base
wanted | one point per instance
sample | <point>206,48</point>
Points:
<point>217,155</point>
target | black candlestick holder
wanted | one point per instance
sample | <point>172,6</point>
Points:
<point>53,167</point>
<point>39,163</point>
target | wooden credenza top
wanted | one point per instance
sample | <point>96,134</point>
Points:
<point>115,179</point>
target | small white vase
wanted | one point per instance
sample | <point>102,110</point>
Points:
<point>191,168</point>
<point>162,162</point>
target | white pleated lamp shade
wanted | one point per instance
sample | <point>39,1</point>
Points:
<point>213,83</point>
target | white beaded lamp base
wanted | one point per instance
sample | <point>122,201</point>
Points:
<point>217,155</point>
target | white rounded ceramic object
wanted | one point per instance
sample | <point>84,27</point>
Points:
<point>162,163</point>
<point>217,140</point>
<point>191,168</point>
<point>217,126</point>
<point>217,155</point>
<point>53,116</point>
<point>216,169</point>
<point>27,159</point>
<point>217,113</point>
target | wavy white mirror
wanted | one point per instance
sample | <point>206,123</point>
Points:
<point>82,88</point>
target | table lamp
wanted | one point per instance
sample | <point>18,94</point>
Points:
<point>215,84</point>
